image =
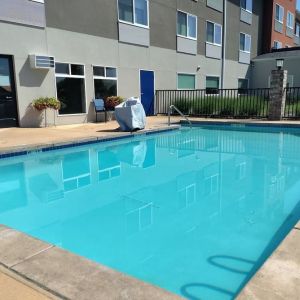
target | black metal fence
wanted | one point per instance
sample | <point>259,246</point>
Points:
<point>292,103</point>
<point>216,103</point>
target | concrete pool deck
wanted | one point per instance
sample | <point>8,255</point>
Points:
<point>43,271</point>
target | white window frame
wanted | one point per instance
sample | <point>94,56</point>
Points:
<point>279,44</point>
<point>104,77</point>
<point>134,23</point>
<point>245,9</point>
<point>282,8</point>
<point>187,26</point>
<point>246,34</point>
<point>184,73</point>
<point>214,23</point>
<point>72,76</point>
<point>39,1</point>
<point>289,14</point>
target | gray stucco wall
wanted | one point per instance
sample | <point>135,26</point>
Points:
<point>23,12</point>
<point>88,50</point>
<point>262,70</point>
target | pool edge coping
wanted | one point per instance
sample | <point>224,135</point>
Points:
<point>257,282</point>
<point>40,273</point>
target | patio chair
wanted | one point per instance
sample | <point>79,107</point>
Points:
<point>99,107</point>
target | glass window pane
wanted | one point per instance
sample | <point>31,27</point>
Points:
<point>243,84</point>
<point>105,88</point>
<point>71,93</point>
<point>210,32</point>
<point>243,4</point>
<point>242,41</point>
<point>186,81</point>
<point>212,82</point>
<point>218,34</point>
<point>126,10</point>
<point>62,68</point>
<point>77,69</point>
<point>249,5</point>
<point>111,72</point>
<point>99,71</point>
<point>141,12</point>
<point>5,84</point>
<point>181,23</point>
<point>192,25</point>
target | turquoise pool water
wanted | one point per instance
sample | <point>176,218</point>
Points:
<point>195,211</point>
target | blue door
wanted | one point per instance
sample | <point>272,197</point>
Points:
<point>147,91</point>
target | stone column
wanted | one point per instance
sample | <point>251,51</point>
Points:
<point>277,94</point>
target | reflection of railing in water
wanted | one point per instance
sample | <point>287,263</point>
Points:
<point>229,142</point>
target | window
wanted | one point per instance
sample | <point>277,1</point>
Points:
<point>213,33</point>
<point>134,11</point>
<point>186,25</point>
<point>297,31</point>
<point>277,45</point>
<point>279,13</point>
<point>290,20</point>
<point>212,85</point>
<point>70,88</point>
<point>246,5</point>
<point>245,42</point>
<point>243,85</point>
<point>186,81</point>
<point>105,82</point>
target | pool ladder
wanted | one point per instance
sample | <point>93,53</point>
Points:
<point>170,111</point>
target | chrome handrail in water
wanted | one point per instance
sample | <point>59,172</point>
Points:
<point>169,115</point>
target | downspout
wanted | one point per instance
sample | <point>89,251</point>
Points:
<point>224,44</point>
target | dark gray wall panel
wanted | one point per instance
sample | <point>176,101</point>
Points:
<point>94,17</point>
<point>23,12</point>
<point>163,16</point>
<point>235,26</point>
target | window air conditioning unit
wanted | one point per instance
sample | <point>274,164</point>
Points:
<point>41,61</point>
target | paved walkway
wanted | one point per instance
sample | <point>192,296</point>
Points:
<point>18,138</point>
<point>12,288</point>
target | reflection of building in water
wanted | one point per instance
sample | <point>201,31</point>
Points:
<point>12,187</point>
<point>76,170</point>
<point>108,165</point>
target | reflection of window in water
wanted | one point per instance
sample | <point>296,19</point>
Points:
<point>187,196</point>
<point>76,170</point>
<point>12,187</point>
<point>240,171</point>
<point>108,165</point>
<point>211,184</point>
<point>140,218</point>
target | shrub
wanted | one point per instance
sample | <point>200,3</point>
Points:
<point>183,105</point>
<point>112,101</point>
<point>43,103</point>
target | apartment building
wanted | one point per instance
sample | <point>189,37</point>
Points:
<point>297,29</point>
<point>98,48</point>
<point>279,20</point>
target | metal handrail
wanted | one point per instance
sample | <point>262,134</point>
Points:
<point>169,115</point>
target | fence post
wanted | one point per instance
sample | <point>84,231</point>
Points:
<point>277,94</point>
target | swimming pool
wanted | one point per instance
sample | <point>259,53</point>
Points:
<point>195,211</point>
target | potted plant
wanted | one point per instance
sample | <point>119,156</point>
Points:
<point>112,101</point>
<point>43,103</point>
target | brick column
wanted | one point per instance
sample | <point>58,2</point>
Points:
<point>277,94</point>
